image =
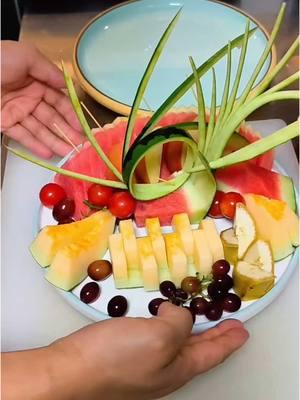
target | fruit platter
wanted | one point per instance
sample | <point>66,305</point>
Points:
<point>184,205</point>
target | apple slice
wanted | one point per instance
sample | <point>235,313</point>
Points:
<point>260,254</point>
<point>244,229</point>
<point>250,281</point>
<point>230,245</point>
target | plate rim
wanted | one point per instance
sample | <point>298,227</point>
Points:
<point>242,315</point>
<point>120,107</point>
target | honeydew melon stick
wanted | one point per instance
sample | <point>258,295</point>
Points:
<point>202,254</point>
<point>119,263</point>
<point>148,264</point>
<point>177,259</point>
<point>213,239</point>
<point>131,251</point>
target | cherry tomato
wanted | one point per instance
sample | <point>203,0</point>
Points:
<point>51,194</point>
<point>99,195</point>
<point>228,204</point>
<point>122,205</point>
<point>214,210</point>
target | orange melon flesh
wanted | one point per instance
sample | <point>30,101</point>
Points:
<point>276,223</point>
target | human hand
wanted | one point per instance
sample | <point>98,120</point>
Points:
<point>140,359</point>
<point>32,102</point>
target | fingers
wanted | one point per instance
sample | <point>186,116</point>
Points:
<point>44,135</point>
<point>23,136</point>
<point>48,116</point>
<point>178,319</point>
<point>63,105</point>
<point>208,353</point>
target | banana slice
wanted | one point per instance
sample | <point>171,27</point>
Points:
<point>244,229</point>
<point>230,245</point>
<point>260,254</point>
<point>250,281</point>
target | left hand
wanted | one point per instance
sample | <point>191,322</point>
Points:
<point>32,102</point>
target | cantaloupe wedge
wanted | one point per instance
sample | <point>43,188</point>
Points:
<point>202,253</point>
<point>177,259</point>
<point>148,263</point>
<point>181,225</point>
<point>275,222</point>
<point>213,239</point>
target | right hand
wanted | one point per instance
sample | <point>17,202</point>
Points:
<point>141,359</point>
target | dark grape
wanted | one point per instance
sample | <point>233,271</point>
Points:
<point>117,306</point>
<point>175,301</point>
<point>191,285</point>
<point>63,210</point>
<point>225,282</point>
<point>220,268</point>
<point>181,294</point>
<point>154,304</point>
<point>199,305</point>
<point>231,302</point>
<point>99,270</point>
<point>167,288</point>
<point>214,311</point>
<point>192,313</point>
<point>66,221</point>
<point>90,292</point>
<point>215,291</point>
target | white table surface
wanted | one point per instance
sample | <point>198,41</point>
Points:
<point>34,314</point>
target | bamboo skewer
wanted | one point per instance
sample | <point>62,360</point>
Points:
<point>147,105</point>
<point>90,114</point>
<point>62,133</point>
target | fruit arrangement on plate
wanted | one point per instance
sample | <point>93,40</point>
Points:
<point>182,205</point>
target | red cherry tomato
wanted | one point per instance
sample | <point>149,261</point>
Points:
<point>214,210</point>
<point>228,204</point>
<point>122,205</point>
<point>51,194</point>
<point>99,195</point>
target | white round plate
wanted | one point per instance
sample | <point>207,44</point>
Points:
<point>138,299</point>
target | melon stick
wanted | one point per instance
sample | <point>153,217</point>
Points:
<point>213,239</point>
<point>181,225</point>
<point>69,265</point>
<point>177,259</point>
<point>131,251</point>
<point>202,254</point>
<point>148,263</point>
<point>159,247</point>
<point>118,259</point>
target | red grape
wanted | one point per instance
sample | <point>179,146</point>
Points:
<point>215,291</point>
<point>99,195</point>
<point>117,306</point>
<point>228,204</point>
<point>214,210</point>
<point>167,288</point>
<point>214,311</point>
<point>191,285</point>
<point>199,305</point>
<point>51,194</point>
<point>224,282</point>
<point>220,268</point>
<point>63,210</point>
<point>122,205</point>
<point>231,302</point>
<point>154,304</point>
<point>99,270</point>
<point>90,292</point>
<point>181,294</point>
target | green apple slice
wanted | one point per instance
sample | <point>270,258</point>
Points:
<point>244,229</point>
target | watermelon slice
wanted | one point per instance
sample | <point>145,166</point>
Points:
<point>240,178</point>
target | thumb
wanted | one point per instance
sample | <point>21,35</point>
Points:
<point>179,320</point>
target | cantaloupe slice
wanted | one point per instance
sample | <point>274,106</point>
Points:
<point>177,259</point>
<point>69,264</point>
<point>131,251</point>
<point>159,247</point>
<point>202,253</point>
<point>118,259</point>
<point>213,239</point>
<point>275,222</point>
<point>148,263</point>
<point>181,225</point>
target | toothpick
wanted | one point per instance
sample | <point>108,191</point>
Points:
<point>147,104</point>
<point>62,133</point>
<point>90,114</point>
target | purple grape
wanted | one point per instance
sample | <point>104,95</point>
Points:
<point>199,305</point>
<point>225,282</point>
<point>117,306</point>
<point>63,210</point>
<point>215,291</point>
<point>220,268</point>
<point>181,294</point>
<point>214,311</point>
<point>167,288</point>
<point>90,292</point>
<point>231,302</point>
<point>154,304</point>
